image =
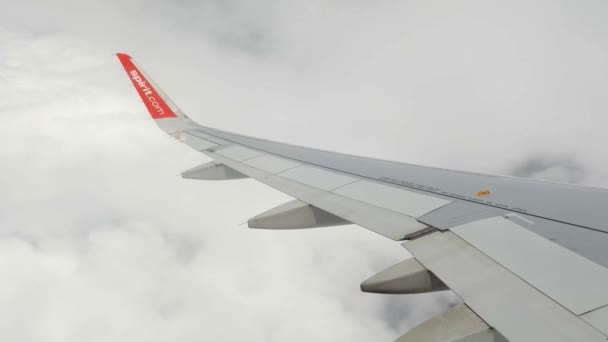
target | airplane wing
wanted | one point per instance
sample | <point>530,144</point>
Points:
<point>527,258</point>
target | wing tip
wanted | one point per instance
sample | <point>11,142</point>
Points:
<point>155,101</point>
<point>123,57</point>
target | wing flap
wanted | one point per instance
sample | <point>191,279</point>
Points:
<point>573,281</point>
<point>496,294</point>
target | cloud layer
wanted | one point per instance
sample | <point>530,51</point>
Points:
<point>100,241</point>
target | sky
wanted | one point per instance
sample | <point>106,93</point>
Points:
<point>101,240</point>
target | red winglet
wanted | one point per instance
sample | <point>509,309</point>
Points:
<point>157,106</point>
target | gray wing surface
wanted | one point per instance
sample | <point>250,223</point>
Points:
<point>527,258</point>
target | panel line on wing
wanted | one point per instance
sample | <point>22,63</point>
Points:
<point>238,153</point>
<point>195,142</point>
<point>393,198</point>
<point>317,177</point>
<point>271,163</point>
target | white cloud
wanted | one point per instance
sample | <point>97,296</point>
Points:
<point>100,241</point>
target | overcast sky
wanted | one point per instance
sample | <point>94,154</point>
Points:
<point>100,240</point>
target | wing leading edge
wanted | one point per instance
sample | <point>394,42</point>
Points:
<point>464,229</point>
